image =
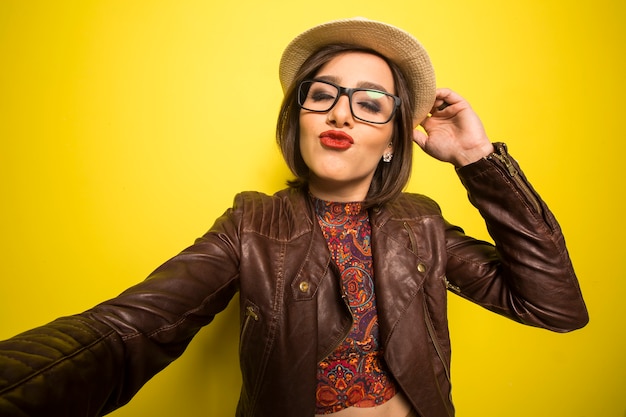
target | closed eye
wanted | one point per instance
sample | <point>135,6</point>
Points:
<point>319,96</point>
<point>370,106</point>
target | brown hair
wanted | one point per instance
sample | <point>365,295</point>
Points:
<point>390,178</point>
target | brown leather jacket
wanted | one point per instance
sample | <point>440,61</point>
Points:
<point>271,251</point>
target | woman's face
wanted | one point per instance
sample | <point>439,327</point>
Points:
<point>342,152</point>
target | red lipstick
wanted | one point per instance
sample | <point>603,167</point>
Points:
<point>336,139</point>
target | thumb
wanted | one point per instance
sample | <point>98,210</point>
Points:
<point>420,138</point>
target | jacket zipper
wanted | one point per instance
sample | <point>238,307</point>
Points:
<point>409,231</point>
<point>433,337</point>
<point>502,155</point>
<point>251,315</point>
<point>451,286</point>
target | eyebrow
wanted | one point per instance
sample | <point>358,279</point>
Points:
<point>360,84</point>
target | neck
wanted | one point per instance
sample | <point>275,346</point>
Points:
<point>339,192</point>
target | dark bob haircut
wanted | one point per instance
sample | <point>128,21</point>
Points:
<point>390,178</point>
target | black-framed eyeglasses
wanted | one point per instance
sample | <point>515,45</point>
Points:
<point>368,105</point>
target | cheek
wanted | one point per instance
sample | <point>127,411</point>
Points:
<point>303,127</point>
<point>306,132</point>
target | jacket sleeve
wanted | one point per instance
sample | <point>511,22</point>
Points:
<point>528,276</point>
<point>94,362</point>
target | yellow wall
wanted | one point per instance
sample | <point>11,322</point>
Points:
<point>126,127</point>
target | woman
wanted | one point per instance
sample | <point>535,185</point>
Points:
<point>342,278</point>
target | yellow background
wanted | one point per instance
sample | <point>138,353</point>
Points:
<point>126,127</point>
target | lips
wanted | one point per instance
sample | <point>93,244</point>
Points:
<point>336,139</point>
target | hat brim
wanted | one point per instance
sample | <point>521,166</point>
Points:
<point>397,45</point>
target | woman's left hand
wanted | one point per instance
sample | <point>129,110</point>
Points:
<point>454,132</point>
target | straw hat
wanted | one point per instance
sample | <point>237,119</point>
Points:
<point>391,42</point>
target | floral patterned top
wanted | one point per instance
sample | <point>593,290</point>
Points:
<point>355,374</point>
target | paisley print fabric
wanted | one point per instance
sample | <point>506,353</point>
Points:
<point>354,375</point>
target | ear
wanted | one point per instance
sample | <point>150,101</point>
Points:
<point>388,154</point>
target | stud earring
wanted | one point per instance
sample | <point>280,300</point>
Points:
<point>389,154</point>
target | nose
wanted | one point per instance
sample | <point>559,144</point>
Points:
<point>340,114</point>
